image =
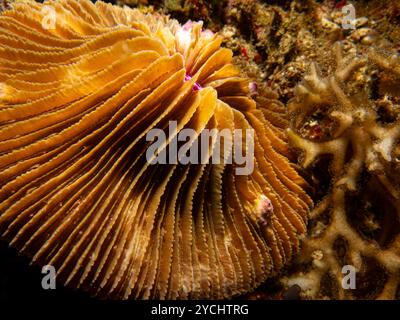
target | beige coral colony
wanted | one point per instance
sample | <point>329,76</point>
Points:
<point>77,192</point>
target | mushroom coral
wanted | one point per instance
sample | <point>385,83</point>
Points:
<point>81,86</point>
<point>358,222</point>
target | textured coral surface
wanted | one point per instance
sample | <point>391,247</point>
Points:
<point>361,147</point>
<point>78,190</point>
<point>341,88</point>
<point>342,91</point>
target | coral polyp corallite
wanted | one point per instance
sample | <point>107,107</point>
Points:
<point>81,86</point>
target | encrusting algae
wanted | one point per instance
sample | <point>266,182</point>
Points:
<point>76,191</point>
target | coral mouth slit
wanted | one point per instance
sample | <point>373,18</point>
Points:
<point>196,86</point>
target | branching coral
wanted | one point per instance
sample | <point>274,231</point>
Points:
<point>77,99</point>
<point>362,153</point>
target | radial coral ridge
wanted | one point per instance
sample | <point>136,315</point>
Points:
<point>360,145</point>
<point>77,192</point>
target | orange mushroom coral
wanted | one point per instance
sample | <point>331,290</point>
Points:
<point>78,95</point>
